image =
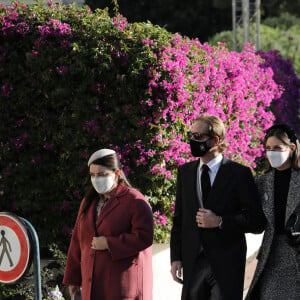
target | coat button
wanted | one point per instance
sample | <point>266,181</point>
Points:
<point>90,279</point>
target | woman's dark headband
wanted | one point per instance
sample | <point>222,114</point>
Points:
<point>286,129</point>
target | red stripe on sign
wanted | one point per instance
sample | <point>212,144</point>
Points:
<point>21,232</point>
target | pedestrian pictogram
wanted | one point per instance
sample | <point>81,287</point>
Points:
<point>6,248</point>
<point>14,248</point>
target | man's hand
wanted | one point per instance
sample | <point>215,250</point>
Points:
<point>99,243</point>
<point>176,271</point>
<point>206,218</point>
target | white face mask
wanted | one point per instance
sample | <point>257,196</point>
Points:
<point>103,184</point>
<point>277,158</point>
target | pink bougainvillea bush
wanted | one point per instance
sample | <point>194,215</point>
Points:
<point>72,81</point>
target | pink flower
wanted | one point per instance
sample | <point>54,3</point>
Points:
<point>20,140</point>
<point>65,206</point>
<point>120,22</point>
<point>61,70</point>
<point>48,146</point>
<point>67,230</point>
<point>76,194</point>
<point>6,90</point>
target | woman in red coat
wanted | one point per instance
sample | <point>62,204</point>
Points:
<point>110,255</point>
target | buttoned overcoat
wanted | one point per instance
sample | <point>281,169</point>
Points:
<point>125,270</point>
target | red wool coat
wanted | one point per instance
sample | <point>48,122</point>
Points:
<point>125,270</point>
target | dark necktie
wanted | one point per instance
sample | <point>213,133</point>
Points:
<point>205,183</point>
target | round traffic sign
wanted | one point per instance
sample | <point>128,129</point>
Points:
<point>15,248</point>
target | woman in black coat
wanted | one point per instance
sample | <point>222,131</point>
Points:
<point>277,274</point>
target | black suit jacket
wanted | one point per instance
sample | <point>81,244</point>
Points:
<point>234,197</point>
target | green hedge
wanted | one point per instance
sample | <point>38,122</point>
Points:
<point>61,81</point>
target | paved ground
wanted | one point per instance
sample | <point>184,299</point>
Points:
<point>66,2</point>
<point>250,268</point>
<point>164,288</point>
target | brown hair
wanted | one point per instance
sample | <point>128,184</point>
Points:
<point>111,162</point>
<point>215,127</point>
<point>287,136</point>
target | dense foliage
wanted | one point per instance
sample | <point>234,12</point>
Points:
<point>72,81</point>
<point>51,275</point>
<point>281,33</point>
<point>279,49</point>
<point>198,19</point>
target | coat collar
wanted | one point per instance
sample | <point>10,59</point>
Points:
<point>194,164</point>
<point>268,196</point>
<point>112,203</point>
<point>293,195</point>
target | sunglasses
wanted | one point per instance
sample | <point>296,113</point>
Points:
<point>197,136</point>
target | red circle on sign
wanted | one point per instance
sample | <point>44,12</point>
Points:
<point>13,222</point>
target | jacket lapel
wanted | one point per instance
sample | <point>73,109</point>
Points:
<point>268,196</point>
<point>111,204</point>
<point>223,176</point>
<point>293,195</point>
<point>191,177</point>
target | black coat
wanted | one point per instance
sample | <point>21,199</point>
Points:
<point>234,197</point>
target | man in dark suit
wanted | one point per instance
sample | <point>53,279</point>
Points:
<point>216,204</point>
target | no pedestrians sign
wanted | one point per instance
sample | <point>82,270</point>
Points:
<point>14,248</point>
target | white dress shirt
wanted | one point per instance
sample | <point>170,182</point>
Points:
<point>214,166</point>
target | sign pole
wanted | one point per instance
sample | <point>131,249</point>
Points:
<point>36,260</point>
<point>17,238</point>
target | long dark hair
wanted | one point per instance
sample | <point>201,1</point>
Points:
<point>111,162</point>
<point>288,137</point>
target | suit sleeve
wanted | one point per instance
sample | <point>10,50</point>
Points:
<point>250,217</point>
<point>175,245</point>
<point>72,274</point>
<point>140,237</point>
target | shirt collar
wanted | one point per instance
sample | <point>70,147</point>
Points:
<point>213,164</point>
